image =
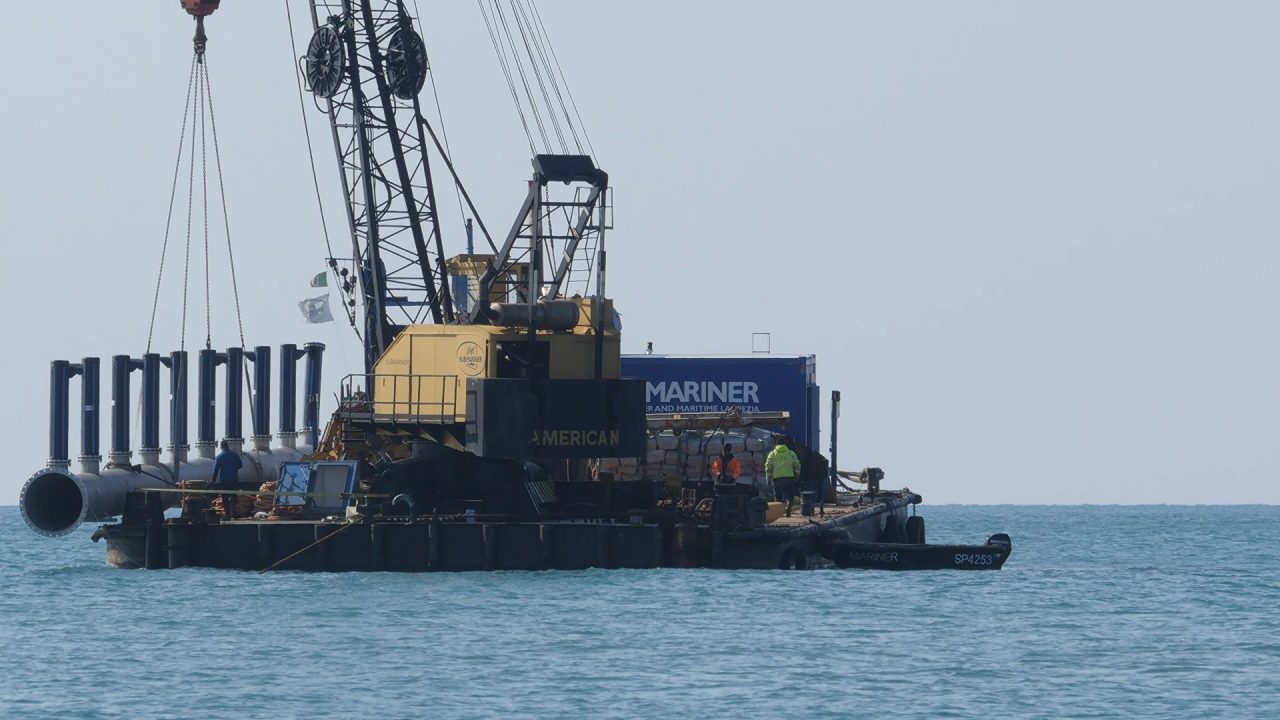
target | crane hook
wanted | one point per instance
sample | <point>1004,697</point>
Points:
<point>200,9</point>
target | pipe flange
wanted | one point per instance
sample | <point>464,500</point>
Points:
<point>38,490</point>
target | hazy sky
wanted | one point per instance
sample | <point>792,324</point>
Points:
<point>1033,244</point>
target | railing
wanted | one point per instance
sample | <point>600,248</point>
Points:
<point>400,398</point>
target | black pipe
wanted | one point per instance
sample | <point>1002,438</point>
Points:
<point>835,446</point>
<point>121,366</point>
<point>59,409</point>
<point>289,388</point>
<point>178,401</point>
<point>89,390</point>
<point>409,505</point>
<point>235,394</point>
<point>311,400</point>
<point>600,325</point>
<point>151,402</point>
<point>205,404</point>
<point>835,435</point>
<point>261,357</point>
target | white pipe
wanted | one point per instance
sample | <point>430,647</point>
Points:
<point>55,501</point>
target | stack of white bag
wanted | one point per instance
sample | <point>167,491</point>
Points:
<point>671,458</point>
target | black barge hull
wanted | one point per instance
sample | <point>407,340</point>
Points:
<point>427,545</point>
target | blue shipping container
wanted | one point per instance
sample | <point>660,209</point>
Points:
<point>756,383</point>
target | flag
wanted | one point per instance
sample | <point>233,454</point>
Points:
<point>316,310</point>
<point>320,280</point>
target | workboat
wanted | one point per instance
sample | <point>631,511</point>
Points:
<point>908,556</point>
<point>491,426</point>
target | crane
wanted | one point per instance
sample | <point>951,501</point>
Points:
<point>524,330</point>
<point>366,65</point>
<point>476,364</point>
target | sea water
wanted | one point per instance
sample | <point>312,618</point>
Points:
<point>1154,611</point>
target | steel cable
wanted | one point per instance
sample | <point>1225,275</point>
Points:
<point>568,90</point>
<point>173,194</point>
<point>204,197</point>
<point>435,94</point>
<point>537,75</point>
<point>524,79</point>
<point>315,177</point>
<point>191,192</point>
<point>543,43</point>
<point>506,71</point>
<point>222,193</point>
<point>523,20</point>
<point>226,224</point>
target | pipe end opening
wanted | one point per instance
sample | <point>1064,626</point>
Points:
<point>52,503</point>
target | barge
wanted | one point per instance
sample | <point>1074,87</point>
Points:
<point>493,424</point>
<point>145,539</point>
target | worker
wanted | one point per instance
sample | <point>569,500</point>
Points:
<point>726,468</point>
<point>226,476</point>
<point>782,468</point>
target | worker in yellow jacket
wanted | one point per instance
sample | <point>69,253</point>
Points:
<point>782,468</point>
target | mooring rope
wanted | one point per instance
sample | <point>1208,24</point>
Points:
<point>351,522</point>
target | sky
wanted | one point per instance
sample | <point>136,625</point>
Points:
<point>1033,244</point>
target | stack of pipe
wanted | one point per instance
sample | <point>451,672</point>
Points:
<point>55,501</point>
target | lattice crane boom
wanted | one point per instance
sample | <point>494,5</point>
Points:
<point>366,63</point>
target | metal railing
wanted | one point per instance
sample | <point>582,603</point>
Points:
<point>400,398</point>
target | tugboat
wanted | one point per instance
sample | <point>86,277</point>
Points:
<point>491,390</point>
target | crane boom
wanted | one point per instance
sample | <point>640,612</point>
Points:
<point>366,62</point>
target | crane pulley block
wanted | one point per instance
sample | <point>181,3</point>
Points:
<point>200,8</point>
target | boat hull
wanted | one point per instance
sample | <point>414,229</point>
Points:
<point>900,556</point>
<point>431,545</point>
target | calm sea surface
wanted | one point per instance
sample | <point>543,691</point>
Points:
<point>1101,612</point>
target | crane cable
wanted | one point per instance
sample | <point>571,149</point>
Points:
<point>548,75</point>
<point>517,12</point>
<point>524,78</point>
<point>222,193</point>
<point>173,194</point>
<point>198,108</point>
<point>506,71</point>
<point>315,177</point>
<point>191,192</point>
<point>198,115</point>
<point>435,93</point>
<point>564,81</point>
<point>226,226</point>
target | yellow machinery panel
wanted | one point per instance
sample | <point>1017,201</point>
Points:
<point>423,374</point>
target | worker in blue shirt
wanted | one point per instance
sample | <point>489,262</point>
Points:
<point>226,476</point>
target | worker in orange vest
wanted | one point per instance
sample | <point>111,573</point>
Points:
<point>726,468</point>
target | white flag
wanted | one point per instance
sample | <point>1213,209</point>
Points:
<point>316,310</point>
